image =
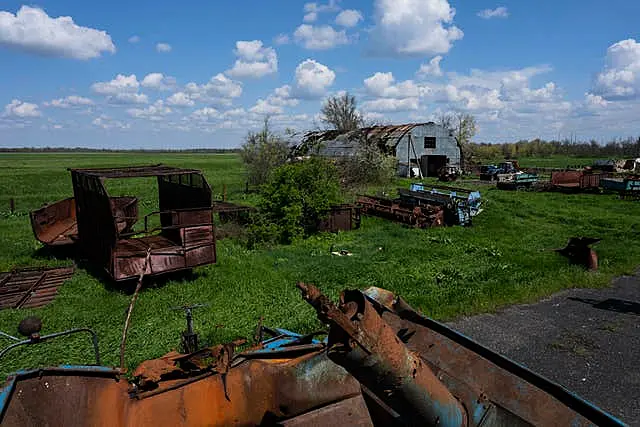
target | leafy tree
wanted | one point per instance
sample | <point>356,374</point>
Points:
<point>341,113</point>
<point>463,126</point>
<point>262,152</point>
<point>294,200</point>
<point>368,166</point>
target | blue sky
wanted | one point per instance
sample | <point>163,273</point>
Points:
<point>202,73</point>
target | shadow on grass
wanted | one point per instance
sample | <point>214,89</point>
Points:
<point>100,274</point>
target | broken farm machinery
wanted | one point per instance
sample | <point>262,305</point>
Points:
<point>381,364</point>
<point>103,226</point>
<point>423,206</point>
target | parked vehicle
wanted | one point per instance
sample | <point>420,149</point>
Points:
<point>516,181</point>
<point>491,172</point>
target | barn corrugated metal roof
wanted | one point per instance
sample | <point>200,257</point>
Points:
<point>380,135</point>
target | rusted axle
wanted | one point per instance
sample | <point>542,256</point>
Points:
<point>363,343</point>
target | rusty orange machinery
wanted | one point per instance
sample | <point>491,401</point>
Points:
<point>382,364</point>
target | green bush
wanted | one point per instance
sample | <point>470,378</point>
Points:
<point>294,200</point>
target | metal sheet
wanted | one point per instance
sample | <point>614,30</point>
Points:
<point>253,393</point>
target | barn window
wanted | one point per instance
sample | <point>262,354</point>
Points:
<point>429,142</point>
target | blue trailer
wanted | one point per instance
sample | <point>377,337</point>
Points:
<point>626,187</point>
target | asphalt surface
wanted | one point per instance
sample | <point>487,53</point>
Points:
<point>587,340</point>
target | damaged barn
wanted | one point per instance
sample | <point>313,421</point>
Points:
<point>421,149</point>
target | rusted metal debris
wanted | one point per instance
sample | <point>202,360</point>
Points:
<point>576,180</point>
<point>579,251</point>
<point>231,212</point>
<point>423,216</point>
<point>461,382</point>
<point>362,343</point>
<point>343,217</point>
<point>383,363</point>
<point>32,287</point>
<point>103,226</point>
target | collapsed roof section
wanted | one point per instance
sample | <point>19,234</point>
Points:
<point>337,143</point>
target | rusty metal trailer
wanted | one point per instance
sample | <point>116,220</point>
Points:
<point>104,227</point>
<point>575,180</point>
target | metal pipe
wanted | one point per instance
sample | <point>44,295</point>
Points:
<point>94,341</point>
<point>362,343</point>
<point>11,337</point>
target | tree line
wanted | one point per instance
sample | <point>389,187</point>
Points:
<point>625,148</point>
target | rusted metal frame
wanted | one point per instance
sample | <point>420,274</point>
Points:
<point>6,279</point>
<point>169,227</point>
<point>183,249</point>
<point>134,171</point>
<point>282,351</point>
<point>386,366</point>
<point>592,413</point>
<point>27,293</point>
<point>39,339</point>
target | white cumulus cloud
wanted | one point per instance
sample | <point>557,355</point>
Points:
<point>312,79</point>
<point>134,39</point>
<point>349,18</point>
<point>319,37</point>
<point>32,30</point>
<point>158,81</point>
<point>620,79</point>
<point>254,60</point>
<point>432,68</point>
<point>594,100</point>
<point>106,122</point>
<point>413,27</point>
<point>498,12</point>
<point>155,112</point>
<point>281,39</point>
<point>121,84</point>
<point>21,109</point>
<point>391,104</point>
<point>129,98</point>
<point>219,88</point>
<point>384,85</point>
<point>163,47</point>
<point>69,102</point>
<point>180,99</point>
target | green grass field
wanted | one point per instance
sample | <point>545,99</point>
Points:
<point>444,272</point>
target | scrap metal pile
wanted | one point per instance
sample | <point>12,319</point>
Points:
<point>423,206</point>
<point>382,364</point>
